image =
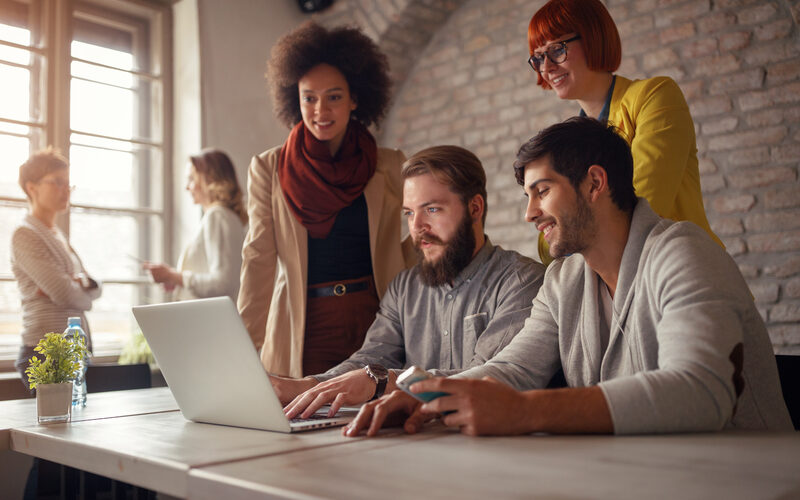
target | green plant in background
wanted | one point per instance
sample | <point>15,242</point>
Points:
<point>62,357</point>
<point>136,351</point>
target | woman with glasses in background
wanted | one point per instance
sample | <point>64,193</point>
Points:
<point>325,224</point>
<point>52,282</point>
<point>575,49</point>
<point>209,266</point>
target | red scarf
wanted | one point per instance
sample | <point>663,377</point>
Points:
<point>317,185</point>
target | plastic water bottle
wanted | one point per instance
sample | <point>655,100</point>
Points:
<point>79,384</point>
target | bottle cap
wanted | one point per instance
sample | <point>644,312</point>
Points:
<point>74,321</point>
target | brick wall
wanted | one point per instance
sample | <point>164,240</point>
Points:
<point>737,61</point>
<point>402,28</point>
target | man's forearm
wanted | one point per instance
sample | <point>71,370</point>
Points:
<point>345,366</point>
<point>578,410</point>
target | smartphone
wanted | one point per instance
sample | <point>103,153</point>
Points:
<point>413,375</point>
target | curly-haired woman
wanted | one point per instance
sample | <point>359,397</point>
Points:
<point>324,236</point>
<point>209,265</point>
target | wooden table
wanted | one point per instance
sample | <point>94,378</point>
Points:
<point>158,449</point>
<point>448,465</point>
<point>18,414</point>
<point>22,412</point>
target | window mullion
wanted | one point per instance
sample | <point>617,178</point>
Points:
<point>59,34</point>
<point>58,50</point>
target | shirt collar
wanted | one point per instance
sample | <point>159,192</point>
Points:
<point>474,265</point>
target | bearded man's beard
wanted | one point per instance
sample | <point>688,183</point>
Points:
<point>457,255</point>
<point>575,230</point>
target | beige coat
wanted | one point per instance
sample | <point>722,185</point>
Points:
<point>272,298</point>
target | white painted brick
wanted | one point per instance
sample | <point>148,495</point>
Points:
<point>737,62</point>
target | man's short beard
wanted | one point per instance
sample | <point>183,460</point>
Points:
<point>457,255</point>
<point>577,230</point>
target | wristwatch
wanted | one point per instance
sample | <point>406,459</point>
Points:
<point>380,375</point>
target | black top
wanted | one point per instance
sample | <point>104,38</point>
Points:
<point>345,253</point>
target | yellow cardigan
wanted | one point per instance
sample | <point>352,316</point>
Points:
<point>653,117</point>
<point>272,298</point>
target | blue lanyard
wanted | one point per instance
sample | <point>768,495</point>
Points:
<point>603,117</point>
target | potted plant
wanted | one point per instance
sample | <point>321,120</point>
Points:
<point>52,377</point>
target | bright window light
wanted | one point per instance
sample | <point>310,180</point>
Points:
<point>113,123</point>
<point>20,36</point>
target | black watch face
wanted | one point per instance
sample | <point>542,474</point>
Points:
<point>378,371</point>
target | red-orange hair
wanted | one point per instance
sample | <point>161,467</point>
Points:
<point>589,19</point>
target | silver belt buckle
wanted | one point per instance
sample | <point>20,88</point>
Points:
<point>339,289</point>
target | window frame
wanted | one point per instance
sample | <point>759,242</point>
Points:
<point>150,22</point>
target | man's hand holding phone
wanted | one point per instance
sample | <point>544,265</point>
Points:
<point>392,408</point>
<point>413,375</point>
<point>476,407</point>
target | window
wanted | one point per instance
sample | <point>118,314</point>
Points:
<point>89,78</point>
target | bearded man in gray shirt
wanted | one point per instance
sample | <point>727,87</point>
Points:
<point>456,309</point>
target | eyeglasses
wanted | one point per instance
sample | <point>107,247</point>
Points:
<point>59,183</point>
<point>556,52</point>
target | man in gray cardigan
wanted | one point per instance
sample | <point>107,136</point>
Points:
<point>650,319</point>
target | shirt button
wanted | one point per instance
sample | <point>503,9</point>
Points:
<point>446,332</point>
<point>449,296</point>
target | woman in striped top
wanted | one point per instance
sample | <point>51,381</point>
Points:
<point>52,281</point>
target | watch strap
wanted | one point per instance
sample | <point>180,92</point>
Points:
<point>380,376</point>
<point>380,388</point>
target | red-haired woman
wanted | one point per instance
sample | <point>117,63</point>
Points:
<point>575,49</point>
<point>324,237</point>
<point>209,265</point>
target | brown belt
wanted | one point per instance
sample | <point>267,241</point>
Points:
<point>338,289</point>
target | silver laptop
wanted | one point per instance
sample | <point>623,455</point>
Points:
<point>213,369</point>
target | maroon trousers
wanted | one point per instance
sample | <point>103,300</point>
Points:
<point>336,325</point>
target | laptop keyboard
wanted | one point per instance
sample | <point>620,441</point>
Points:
<point>322,414</point>
<point>316,416</point>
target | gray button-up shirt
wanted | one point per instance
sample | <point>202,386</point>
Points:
<point>449,328</point>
